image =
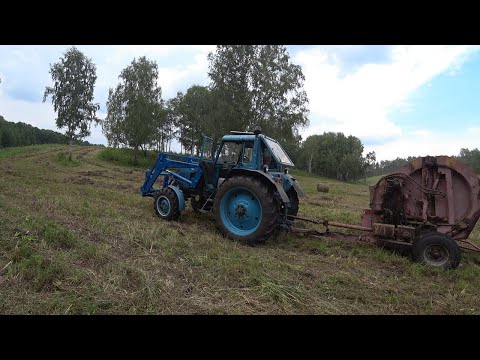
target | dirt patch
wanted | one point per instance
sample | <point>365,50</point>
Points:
<point>124,171</point>
<point>133,189</point>
<point>80,180</point>
<point>93,173</point>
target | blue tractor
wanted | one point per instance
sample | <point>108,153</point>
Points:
<point>245,183</point>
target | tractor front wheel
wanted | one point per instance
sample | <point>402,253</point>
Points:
<point>246,209</point>
<point>436,249</point>
<point>166,204</point>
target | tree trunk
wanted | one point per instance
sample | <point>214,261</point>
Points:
<point>310,160</point>
<point>135,155</point>
<point>70,143</point>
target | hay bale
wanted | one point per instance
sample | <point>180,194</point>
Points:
<point>322,188</point>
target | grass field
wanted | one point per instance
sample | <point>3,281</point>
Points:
<point>78,238</point>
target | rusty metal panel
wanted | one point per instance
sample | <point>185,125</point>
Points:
<point>441,190</point>
<point>384,230</point>
<point>367,218</point>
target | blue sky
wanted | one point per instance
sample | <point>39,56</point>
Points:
<point>399,100</point>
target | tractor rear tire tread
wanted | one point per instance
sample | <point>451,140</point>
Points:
<point>294,203</point>
<point>268,202</point>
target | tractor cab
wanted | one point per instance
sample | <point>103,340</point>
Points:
<point>252,151</point>
<point>243,151</point>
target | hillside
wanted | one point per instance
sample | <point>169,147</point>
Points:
<point>22,134</point>
<point>80,239</point>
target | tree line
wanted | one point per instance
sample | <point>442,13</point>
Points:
<point>21,134</point>
<point>249,85</point>
<point>334,155</point>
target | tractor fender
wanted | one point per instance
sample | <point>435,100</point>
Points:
<point>298,189</point>
<point>263,175</point>
<point>289,182</point>
<point>181,198</point>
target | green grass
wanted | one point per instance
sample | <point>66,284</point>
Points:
<point>82,240</point>
<point>27,150</point>
<point>373,179</point>
<point>125,157</point>
<point>62,159</point>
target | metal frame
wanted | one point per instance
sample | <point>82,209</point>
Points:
<point>160,167</point>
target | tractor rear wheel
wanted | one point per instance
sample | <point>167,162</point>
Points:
<point>436,249</point>
<point>246,209</point>
<point>166,204</point>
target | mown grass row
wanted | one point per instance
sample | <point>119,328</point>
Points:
<point>82,240</point>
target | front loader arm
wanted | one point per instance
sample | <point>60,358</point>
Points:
<point>160,168</point>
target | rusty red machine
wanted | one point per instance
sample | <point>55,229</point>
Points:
<point>430,206</point>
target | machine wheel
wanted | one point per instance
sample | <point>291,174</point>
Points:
<point>293,209</point>
<point>166,204</point>
<point>436,249</point>
<point>246,209</point>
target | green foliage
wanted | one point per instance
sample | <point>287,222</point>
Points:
<point>111,125</point>
<point>259,85</point>
<point>471,158</point>
<point>388,166</point>
<point>333,155</point>
<point>197,112</point>
<point>134,108</point>
<point>124,157</point>
<point>21,134</point>
<point>74,79</point>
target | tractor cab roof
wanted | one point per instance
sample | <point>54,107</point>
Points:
<point>238,137</point>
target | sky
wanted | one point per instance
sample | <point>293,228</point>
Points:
<point>399,100</point>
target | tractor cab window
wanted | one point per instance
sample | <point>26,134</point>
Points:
<point>230,152</point>
<point>248,152</point>
<point>207,148</point>
<point>267,158</point>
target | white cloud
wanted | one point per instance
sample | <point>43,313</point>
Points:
<point>359,103</point>
<point>194,73</point>
<point>356,100</point>
<point>473,130</point>
<point>180,66</point>
<point>177,65</point>
<point>36,114</point>
<point>422,143</point>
